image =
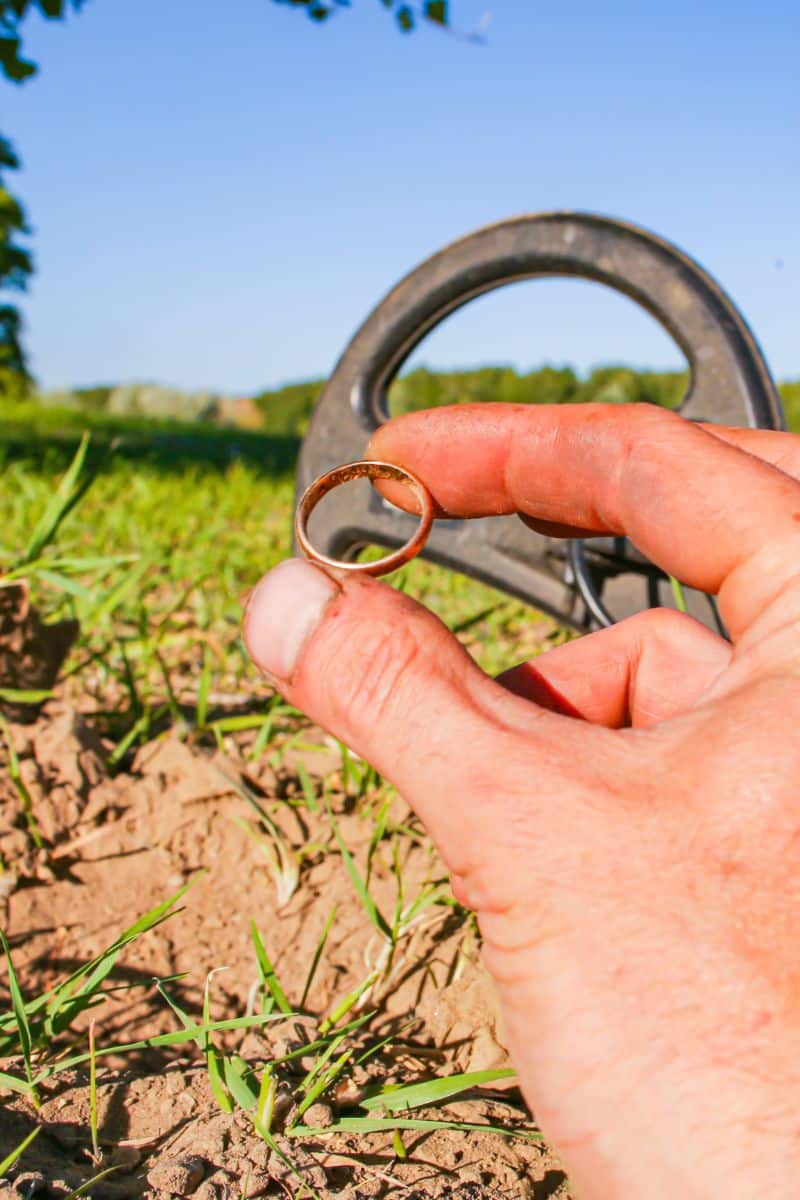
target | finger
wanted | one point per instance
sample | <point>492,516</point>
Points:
<point>781,450</point>
<point>773,446</point>
<point>698,506</point>
<point>386,677</point>
<point>642,671</point>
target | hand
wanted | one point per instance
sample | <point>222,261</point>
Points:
<point>636,873</point>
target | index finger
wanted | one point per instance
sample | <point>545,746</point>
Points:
<point>698,506</point>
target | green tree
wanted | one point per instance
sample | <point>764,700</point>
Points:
<point>15,267</point>
<point>16,264</point>
<point>405,14</point>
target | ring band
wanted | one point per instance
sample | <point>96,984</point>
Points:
<point>369,470</point>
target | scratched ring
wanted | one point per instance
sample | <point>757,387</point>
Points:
<point>365,470</point>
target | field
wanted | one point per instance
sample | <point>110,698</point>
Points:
<point>233,963</point>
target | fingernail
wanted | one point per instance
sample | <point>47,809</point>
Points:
<point>282,613</point>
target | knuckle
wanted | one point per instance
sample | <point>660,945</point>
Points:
<point>667,623</point>
<point>373,671</point>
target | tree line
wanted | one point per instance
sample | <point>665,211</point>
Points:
<point>286,410</point>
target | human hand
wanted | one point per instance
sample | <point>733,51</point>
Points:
<point>636,873</point>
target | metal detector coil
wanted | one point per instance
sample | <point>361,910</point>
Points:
<point>582,584</point>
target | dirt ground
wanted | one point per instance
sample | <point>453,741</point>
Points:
<point>118,842</point>
<point>118,845</point>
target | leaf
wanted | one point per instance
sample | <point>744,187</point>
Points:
<point>431,1091</point>
<point>69,491</point>
<point>12,1084</point>
<point>214,1060</point>
<point>436,10</point>
<point>239,1078</point>
<point>312,970</point>
<point>15,68</point>
<point>18,1005</point>
<point>15,696</point>
<point>368,904</point>
<point>266,971</point>
<point>262,1119</point>
<point>352,998</point>
<point>324,1081</point>
<point>678,593</point>
<point>177,1038</point>
<point>405,18</point>
<point>389,1124</point>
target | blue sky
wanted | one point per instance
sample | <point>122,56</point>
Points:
<point>220,193</point>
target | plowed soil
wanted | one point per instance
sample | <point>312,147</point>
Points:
<point>116,843</point>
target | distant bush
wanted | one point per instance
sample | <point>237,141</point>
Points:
<point>150,400</point>
<point>93,399</point>
<point>790,395</point>
<point>286,410</point>
<point>424,388</point>
<point>15,385</point>
<point>135,400</point>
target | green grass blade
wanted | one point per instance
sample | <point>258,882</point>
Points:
<point>62,583</point>
<point>678,593</point>
<point>86,1187</point>
<point>177,1038</point>
<point>309,791</point>
<point>345,1005</point>
<point>468,622</point>
<point>13,1084</point>
<point>203,689</point>
<point>320,1043</point>
<point>389,1124</point>
<point>117,594</point>
<point>20,787</point>
<point>325,1080</point>
<point>240,1082</point>
<point>312,970</point>
<point>431,1091</point>
<point>17,696</point>
<point>368,904</point>
<point>287,1162</point>
<point>92,974</point>
<point>19,1150</point>
<point>378,833</point>
<point>18,1008</point>
<point>93,1096</point>
<point>184,1018</point>
<point>214,1061</point>
<point>266,971</point>
<point>239,724</point>
<point>64,498</point>
<point>265,1108</point>
<point>320,1062</point>
<point>66,1009</point>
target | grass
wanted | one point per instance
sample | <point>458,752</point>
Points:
<point>151,536</point>
<point>154,554</point>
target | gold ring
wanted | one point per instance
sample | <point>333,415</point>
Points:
<point>369,470</point>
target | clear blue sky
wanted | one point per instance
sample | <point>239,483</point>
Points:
<point>220,192</point>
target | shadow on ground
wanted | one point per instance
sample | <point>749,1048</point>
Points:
<point>164,445</point>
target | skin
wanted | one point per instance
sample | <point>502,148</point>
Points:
<point>622,813</point>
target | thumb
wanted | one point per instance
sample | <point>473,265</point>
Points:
<point>385,676</point>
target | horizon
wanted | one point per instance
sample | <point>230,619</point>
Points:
<point>581,373</point>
